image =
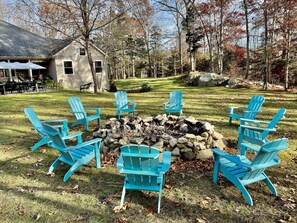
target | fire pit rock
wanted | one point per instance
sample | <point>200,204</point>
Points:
<point>186,137</point>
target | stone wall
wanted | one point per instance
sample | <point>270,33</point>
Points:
<point>185,137</point>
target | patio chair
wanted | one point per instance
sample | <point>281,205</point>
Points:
<point>62,127</point>
<point>143,169</point>
<point>122,103</point>
<point>81,114</point>
<point>175,104</point>
<point>250,111</point>
<point>251,130</point>
<point>75,156</point>
<point>239,170</point>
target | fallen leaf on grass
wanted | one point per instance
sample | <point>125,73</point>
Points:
<point>81,217</point>
<point>20,189</point>
<point>36,217</point>
<point>120,220</point>
<point>200,220</point>
<point>51,174</point>
<point>30,174</point>
<point>149,215</point>
<point>117,209</point>
<point>168,185</point>
<point>74,189</point>
<point>21,210</point>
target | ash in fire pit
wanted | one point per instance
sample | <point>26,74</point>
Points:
<point>184,136</point>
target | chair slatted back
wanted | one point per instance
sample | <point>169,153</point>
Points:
<point>77,106</point>
<point>266,155</point>
<point>278,116</point>
<point>176,98</point>
<point>57,141</point>
<point>254,105</point>
<point>121,99</point>
<point>30,113</point>
<point>143,160</point>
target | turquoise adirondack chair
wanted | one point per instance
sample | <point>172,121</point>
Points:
<point>62,127</point>
<point>250,111</point>
<point>254,132</point>
<point>175,103</point>
<point>122,103</point>
<point>75,156</point>
<point>143,169</point>
<point>81,114</point>
<point>241,171</point>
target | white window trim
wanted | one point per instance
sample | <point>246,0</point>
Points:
<point>64,67</point>
<point>95,67</point>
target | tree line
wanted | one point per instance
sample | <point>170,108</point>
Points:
<point>143,38</point>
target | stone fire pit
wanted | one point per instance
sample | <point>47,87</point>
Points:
<point>185,137</point>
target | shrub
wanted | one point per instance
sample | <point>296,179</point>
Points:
<point>145,87</point>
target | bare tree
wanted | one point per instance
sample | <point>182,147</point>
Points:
<point>73,18</point>
<point>247,30</point>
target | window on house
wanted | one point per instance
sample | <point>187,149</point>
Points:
<point>68,67</point>
<point>98,66</point>
<point>82,51</point>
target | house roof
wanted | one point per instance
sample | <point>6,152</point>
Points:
<point>17,43</point>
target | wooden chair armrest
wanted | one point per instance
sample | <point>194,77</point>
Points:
<point>58,120</point>
<point>233,158</point>
<point>165,104</point>
<point>257,128</point>
<point>259,111</point>
<point>252,121</point>
<point>244,146</point>
<point>98,110</point>
<point>233,107</point>
<point>87,143</point>
<point>133,104</point>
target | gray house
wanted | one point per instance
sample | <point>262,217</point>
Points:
<point>64,59</point>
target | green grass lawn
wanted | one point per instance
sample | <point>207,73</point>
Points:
<point>28,194</point>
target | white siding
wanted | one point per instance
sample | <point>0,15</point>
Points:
<point>81,69</point>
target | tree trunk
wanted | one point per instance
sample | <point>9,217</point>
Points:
<point>265,76</point>
<point>247,67</point>
<point>90,60</point>
<point>192,60</point>
<point>221,46</point>
<point>288,35</point>
<point>133,67</point>
<point>270,52</point>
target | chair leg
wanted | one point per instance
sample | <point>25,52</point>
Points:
<point>159,200</point>
<point>240,137</point>
<point>98,121</point>
<point>270,185</point>
<point>71,171</point>
<point>41,142</point>
<point>123,197</point>
<point>97,156</point>
<point>245,193</point>
<point>230,121</point>
<point>216,169</point>
<point>86,125</point>
<point>54,165</point>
